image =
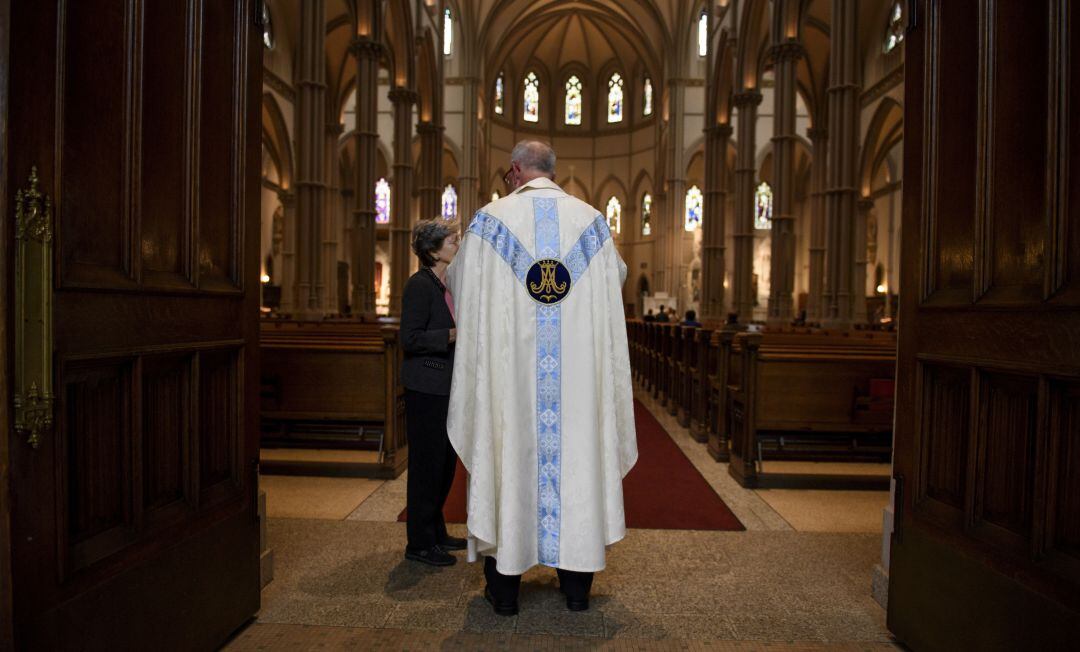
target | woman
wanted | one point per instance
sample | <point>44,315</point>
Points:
<point>427,339</point>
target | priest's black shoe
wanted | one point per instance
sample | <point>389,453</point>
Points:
<point>434,556</point>
<point>575,604</point>
<point>453,543</point>
<point>501,609</point>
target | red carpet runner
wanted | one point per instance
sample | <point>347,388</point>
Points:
<point>662,492</point>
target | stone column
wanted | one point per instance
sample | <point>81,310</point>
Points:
<point>746,104</point>
<point>362,244</point>
<point>818,140</point>
<point>675,207</point>
<point>786,56</point>
<point>430,173</point>
<point>858,271</point>
<point>469,199</point>
<point>311,142</point>
<point>288,252</point>
<point>841,192</point>
<point>331,226</point>
<point>401,195</point>
<point>713,262</point>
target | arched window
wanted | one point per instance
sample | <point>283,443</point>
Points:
<point>694,201</point>
<point>447,33</point>
<point>647,104</point>
<point>763,206</point>
<point>646,214</point>
<point>614,215</point>
<point>573,100</point>
<point>532,98</point>
<point>499,95</point>
<point>894,29</point>
<point>449,202</point>
<point>703,34</point>
<point>382,202</point>
<point>615,98</point>
<point>268,27</point>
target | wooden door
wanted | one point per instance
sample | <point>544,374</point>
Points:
<point>986,551</point>
<point>133,517</point>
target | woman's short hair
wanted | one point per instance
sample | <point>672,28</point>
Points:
<point>428,237</point>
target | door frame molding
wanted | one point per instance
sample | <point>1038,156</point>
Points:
<point>7,631</point>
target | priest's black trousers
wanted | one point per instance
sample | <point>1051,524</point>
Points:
<point>504,588</point>
<point>432,461</point>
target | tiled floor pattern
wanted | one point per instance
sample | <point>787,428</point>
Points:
<point>302,638</point>
<point>343,584</point>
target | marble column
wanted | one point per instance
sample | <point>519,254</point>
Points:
<point>287,274</point>
<point>311,144</point>
<point>331,224</point>
<point>469,199</point>
<point>401,195</point>
<point>674,266</point>
<point>362,243</point>
<point>746,104</point>
<point>713,262</point>
<point>819,143</point>
<point>841,191</point>
<point>860,262</point>
<point>429,184</point>
<point>786,57</point>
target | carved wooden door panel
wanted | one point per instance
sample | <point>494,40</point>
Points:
<point>134,521</point>
<point>986,552</point>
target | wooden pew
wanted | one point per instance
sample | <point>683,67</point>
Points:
<point>806,395</point>
<point>333,385</point>
<point>699,385</point>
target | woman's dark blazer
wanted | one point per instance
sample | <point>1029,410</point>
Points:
<point>425,335</point>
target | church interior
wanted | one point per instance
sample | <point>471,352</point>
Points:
<point>852,435</point>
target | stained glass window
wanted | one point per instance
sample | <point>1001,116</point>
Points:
<point>382,202</point>
<point>449,202</point>
<point>614,215</point>
<point>615,98</point>
<point>532,98</point>
<point>268,27</point>
<point>647,104</point>
<point>646,214</point>
<point>703,34</point>
<point>894,30</point>
<point>694,201</point>
<point>763,206</point>
<point>447,33</point>
<point>499,95</point>
<point>573,101</point>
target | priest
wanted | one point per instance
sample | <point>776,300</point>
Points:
<point>541,406</point>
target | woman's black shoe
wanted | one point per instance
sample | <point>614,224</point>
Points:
<point>453,543</point>
<point>434,556</point>
<point>577,605</point>
<point>500,609</point>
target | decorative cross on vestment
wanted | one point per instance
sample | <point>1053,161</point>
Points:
<point>547,279</point>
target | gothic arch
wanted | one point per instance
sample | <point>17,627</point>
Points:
<point>753,33</point>
<point>885,131</point>
<point>612,185</point>
<point>275,129</point>
<point>429,105</point>
<point>399,38</point>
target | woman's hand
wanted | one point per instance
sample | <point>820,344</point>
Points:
<point>453,335</point>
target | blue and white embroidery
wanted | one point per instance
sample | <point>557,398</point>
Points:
<point>590,242</point>
<point>504,241</point>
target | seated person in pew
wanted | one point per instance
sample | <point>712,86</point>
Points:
<point>428,335</point>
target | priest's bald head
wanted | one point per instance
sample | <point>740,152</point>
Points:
<point>530,159</point>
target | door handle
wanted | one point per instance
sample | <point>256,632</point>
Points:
<point>33,313</point>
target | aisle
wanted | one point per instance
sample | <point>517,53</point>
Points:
<point>663,491</point>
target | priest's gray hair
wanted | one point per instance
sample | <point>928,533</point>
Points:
<point>428,237</point>
<point>533,154</point>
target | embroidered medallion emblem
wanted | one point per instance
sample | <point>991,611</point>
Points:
<point>548,281</point>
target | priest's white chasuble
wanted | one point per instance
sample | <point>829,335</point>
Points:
<point>541,408</point>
